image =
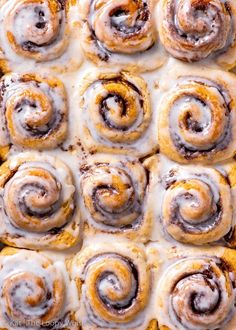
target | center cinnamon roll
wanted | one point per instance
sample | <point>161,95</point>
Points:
<point>116,198</point>
<point>114,195</point>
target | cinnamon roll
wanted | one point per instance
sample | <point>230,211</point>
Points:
<point>193,30</point>
<point>198,292</point>
<point>35,292</point>
<point>197,118</point>
<point>33,29</point>
<point>114,197</point>
<point>120,32</point>
<point>193,203</point>
<point>38,207</point>
<point>33,111</point>
<point>116,115</point>
<point>113,283</point>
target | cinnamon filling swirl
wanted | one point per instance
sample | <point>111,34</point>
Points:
<point>193,30</point>
<point>196,121</point>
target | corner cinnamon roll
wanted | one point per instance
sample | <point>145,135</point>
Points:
<point>197,120</point>
<point>114,197</point>
<point>193,204</point>
<point>120,32</point>
<point>33,29</point>
<point>193,30</point>
<point>35,292</point>
<point>198,292</point>
<point>33,111</point>
<point>113,282</point>
<point>37,199</point>
<point>116,115</point>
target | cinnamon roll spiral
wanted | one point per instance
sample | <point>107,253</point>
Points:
<point>113,284</point>
<point>117,32</point>
<point>196,206</point>
<point>33,291</point>
<point>193,30</point>
<point>34,29</point>
<point>38,203</point>
<point>116,114</point>
<point>114,196</point>
<point>193,204</point>
<point>197,120</point>
<point>196,293</point>
<point>33,111</point>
